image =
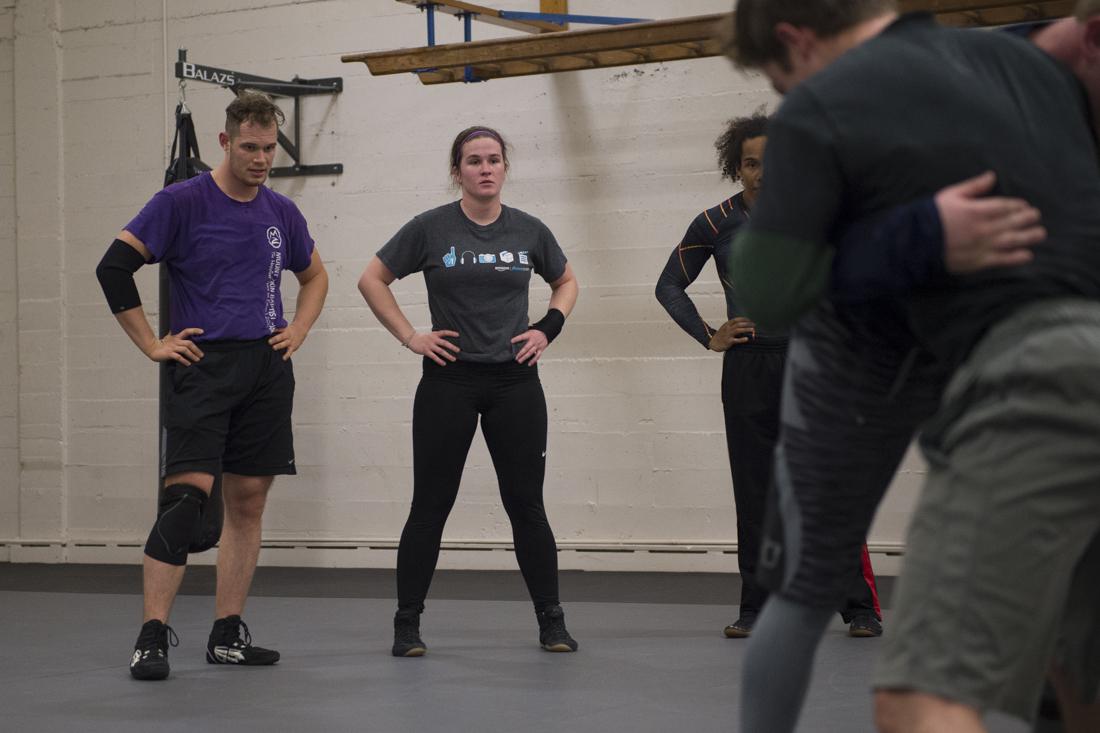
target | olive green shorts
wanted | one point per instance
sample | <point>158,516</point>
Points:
<point>1002,566</point>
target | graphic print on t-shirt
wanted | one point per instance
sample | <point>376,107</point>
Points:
<point>274,275</point>
<point>452,258</point>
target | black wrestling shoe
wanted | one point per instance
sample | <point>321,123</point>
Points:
<point>406,635</point>
<point>226,646</point>
<point>740,628</point>
<point>150,659</point>
<point>864,626</point>
<point>553,636</point>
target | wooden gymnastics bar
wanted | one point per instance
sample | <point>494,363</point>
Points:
<point>641,43</point>
<point>488,15</point>
<point>637,43</point>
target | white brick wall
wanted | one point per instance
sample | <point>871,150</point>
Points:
<point>9,363</point>
<point>616,161</point>
<point>40,265</point>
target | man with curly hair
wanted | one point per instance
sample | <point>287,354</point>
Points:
<point>752,375</point>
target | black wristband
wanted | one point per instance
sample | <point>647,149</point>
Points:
<point>551,324</point>
<point>116,276</point>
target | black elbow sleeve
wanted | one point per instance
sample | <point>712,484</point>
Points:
<point>116,276</point>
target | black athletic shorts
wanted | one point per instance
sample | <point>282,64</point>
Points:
<point>230,411</point>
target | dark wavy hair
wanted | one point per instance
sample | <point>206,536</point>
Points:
<point>730,144</point>
<point>251,106</point>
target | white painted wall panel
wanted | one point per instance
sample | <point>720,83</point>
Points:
<point>9,293</point>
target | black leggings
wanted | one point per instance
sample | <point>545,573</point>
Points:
<point>509,399</point>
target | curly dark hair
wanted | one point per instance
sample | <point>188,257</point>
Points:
<point>731,142</point>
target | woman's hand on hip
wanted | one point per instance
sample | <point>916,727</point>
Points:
<point>433,345</point>
<point>534,344</point>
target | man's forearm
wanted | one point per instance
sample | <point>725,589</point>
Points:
<point>137,327</point>
<point>776,279</point>
<point>890,255</point>
<point>311,299</point>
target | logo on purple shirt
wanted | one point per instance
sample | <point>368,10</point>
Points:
<point>274,237</point>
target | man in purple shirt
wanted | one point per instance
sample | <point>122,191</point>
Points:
<point>225,239</point>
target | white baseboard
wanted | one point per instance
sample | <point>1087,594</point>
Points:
<point>638,556</point>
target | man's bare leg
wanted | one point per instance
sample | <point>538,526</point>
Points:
<point>239,548</point>
<point>906,711</point>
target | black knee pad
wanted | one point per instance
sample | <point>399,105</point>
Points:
<point>179,518</point>
<point>210,528</point>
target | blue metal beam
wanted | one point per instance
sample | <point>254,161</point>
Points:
<point>468,35</point>
<point>563,18</point>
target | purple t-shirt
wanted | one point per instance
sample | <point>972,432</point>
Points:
<point>225,258</point>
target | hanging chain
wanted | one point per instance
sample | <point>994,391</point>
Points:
<point>183,96</point>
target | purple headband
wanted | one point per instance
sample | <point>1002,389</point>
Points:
<point>481,132</point>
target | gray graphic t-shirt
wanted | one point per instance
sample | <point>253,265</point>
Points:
<point>477,276</point>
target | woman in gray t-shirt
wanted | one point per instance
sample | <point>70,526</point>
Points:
<point>480,356</point>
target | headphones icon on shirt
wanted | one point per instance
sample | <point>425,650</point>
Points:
<point>462,259</point>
